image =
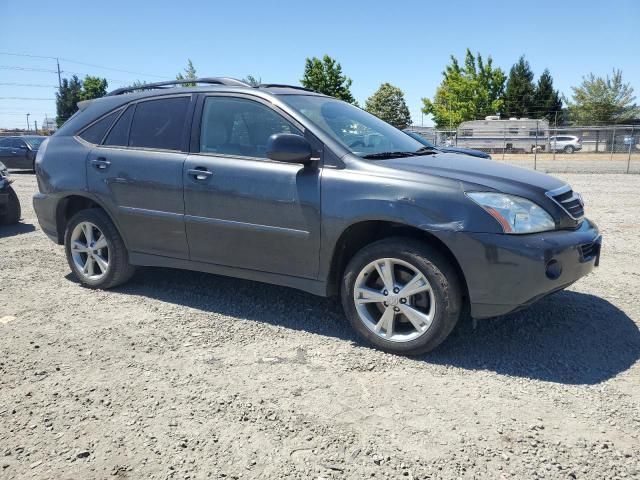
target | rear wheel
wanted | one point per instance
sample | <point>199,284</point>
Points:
<point>95,251</point>
<point>569,149</point>
<point>13,212</point>
<point>401,295</point>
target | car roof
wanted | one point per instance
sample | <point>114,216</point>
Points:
<point>117,98</point>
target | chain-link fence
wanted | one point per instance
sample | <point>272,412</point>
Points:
<point>534,144</point>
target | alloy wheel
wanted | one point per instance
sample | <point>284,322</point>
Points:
<point>394,300</point>
<point>89,251</point>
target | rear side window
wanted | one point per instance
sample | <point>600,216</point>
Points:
<point>96,132</point>
<point>119,134</point>
<point>159,124</point>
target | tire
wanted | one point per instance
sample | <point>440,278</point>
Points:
<point>569,149</point>
<point>14,212</point>
<point>114,253</point>
<point>442,302</point>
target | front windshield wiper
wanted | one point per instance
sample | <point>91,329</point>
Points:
<point>382,155</point>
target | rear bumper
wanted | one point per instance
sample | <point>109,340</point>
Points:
<point>505,273</point>
<point>45,207</point>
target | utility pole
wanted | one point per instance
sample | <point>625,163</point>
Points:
<point>35,126</point>
<point>28,122</point>
<point>59,76</point>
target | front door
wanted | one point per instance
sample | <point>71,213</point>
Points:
<point>137,174</point>
<point>242,209</point>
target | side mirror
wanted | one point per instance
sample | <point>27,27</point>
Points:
<point>23,147</point>
<point>288,147</point>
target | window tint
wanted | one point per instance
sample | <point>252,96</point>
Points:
<point>236,126</point>
<point>95,133</point>
<point>17,143</point>
<point>119,134</point>
<point>4,142</point>
<point>159,123</point>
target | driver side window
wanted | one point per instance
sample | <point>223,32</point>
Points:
<point>239,127</point>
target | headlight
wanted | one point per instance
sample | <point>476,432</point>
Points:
<point>514,214</point>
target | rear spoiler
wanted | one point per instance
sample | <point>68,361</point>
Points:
<point>83,104</point>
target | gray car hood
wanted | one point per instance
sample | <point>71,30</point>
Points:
<point>473,170</point>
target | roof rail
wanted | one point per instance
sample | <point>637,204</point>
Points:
<point>230,82</point>
<point>282,85</point>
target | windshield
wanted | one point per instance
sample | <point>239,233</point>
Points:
<point>362,133</point>
<point>34,142</point>
<point>420,138</point>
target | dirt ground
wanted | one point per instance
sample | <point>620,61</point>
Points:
<point>574,163</point>
<point>184,375</point>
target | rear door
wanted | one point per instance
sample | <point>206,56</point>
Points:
<point>243,209</point>
<point>137,173</point>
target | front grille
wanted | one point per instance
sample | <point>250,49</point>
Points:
<point>570,201</point>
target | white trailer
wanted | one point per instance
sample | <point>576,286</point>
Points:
<point>495,135</point>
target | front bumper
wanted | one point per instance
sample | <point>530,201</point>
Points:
<point>505,273</point>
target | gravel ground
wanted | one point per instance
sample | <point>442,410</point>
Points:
<point>187,375</point>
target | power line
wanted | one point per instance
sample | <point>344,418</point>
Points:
<point>27,98</point>
<point>28,85</point>
<point>27,69</point>
<point>68,60</point>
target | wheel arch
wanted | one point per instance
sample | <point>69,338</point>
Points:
<point>73,203</point>
<point>358,235</point>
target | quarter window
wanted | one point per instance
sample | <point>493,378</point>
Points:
<point>96,132</point>
<point>240,127</point>
<point>119,134</point>
<point>159,124</point>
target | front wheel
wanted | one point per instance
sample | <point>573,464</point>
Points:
<point>402,295</point>
<point>95,251</point>
<point>569,149</point>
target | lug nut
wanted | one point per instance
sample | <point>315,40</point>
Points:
<point>396,309</point>
<point>385,292</point>
<point>403,300</point>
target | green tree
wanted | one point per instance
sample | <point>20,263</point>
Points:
<point>325,76</point>
<point>67,98</point>
<point>519,96</point>
<point>469,92</point>
<point>189,74</point>
<point>602,100</point>
<point>93,87</point>
<point>547,102</point>
<point>388,104</point>
<point>251,80</point>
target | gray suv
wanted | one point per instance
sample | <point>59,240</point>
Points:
<point>283,185</point>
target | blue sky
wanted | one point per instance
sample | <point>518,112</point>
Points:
<point>406,43</point>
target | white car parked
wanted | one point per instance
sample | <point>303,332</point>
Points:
<point>565,143</point>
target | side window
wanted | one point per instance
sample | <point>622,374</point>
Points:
<point>96,132</point>
<point>16,143</point>
<point>4,142</point>
<point>241,127</point>
<point>119,134</point>
<point>159,123</point>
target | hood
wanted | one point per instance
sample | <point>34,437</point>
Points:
<point>465,151</point>
<point>481,172</point>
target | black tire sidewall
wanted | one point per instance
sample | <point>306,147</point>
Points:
<point>441,276</point>
<point>13,212</point>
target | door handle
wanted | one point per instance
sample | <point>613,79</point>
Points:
<point>101,163</point>
<point>199,173</point>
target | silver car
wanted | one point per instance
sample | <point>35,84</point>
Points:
<point>565,143</point>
